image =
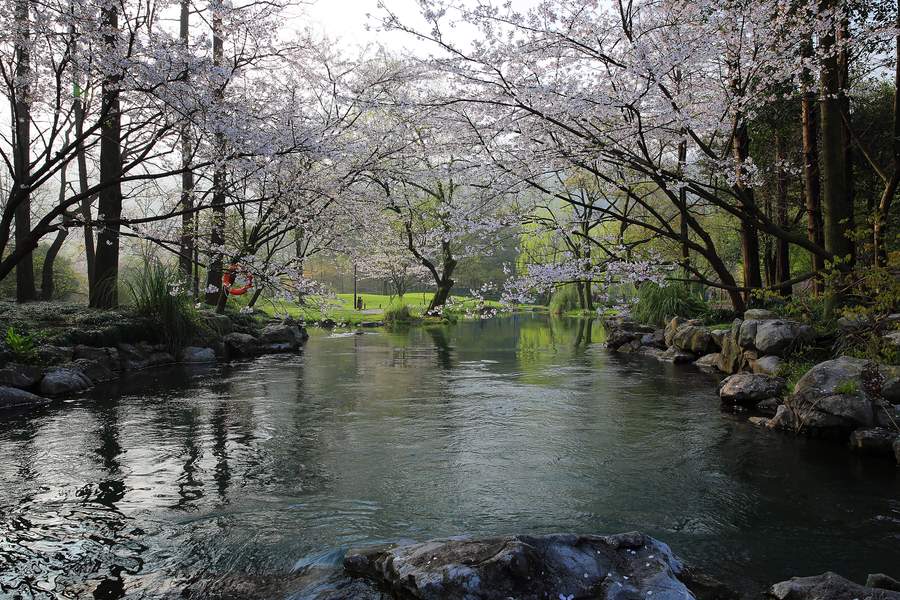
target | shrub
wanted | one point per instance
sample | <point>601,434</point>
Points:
<point>21,345</point>
<point>656,303</point>
<point>564,299</point>
<point>156,293</point>
<point>398,313</point>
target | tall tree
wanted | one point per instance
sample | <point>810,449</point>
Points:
<point>21,109</point>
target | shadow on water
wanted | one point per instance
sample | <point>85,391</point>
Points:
<point>227,481</point>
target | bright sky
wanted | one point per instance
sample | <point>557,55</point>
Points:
<point>347,20</point>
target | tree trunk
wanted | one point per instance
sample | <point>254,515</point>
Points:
<point>47,281</point>
<point>104,291</point>
<point>836,209</point>
<point>81,158</point>
<point>445,282</point>
<point>682,207</point>
<point>25,291</point>
<point>879,224</point>
<point>749,233</point>
<point>215,294</point>
<point>843,60</point>
<point>811,182</point>
<point>782,248</point>
<point>186,256</point>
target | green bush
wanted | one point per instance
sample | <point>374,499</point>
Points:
<point>21,346</point>
<point>564,299</point>
<point>66,281</point>
<point>398,313</point>
<point>156,293</point>
<point>656,304</point>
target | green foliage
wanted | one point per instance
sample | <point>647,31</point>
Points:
<point>66,281</point>
<point>398,314</point>
<point>657,304</point>
<point>21,345</point>
<point>565,299</point>
<point>848,386</point>
<point>156,294</point>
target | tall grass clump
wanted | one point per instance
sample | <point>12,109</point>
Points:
<point>398,314</point>
<point>157,294</point>
<point>564,299</point>
<point>658,303</point>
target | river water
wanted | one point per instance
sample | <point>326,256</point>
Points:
<point>188,482</point>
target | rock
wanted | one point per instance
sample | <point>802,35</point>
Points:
<point>831,397</point>
<point>20,376</point>
<point>656,353</point>
<point>718,336</point>
<point>657,339</point>
<point>748,389</point>
<point>882,581</point>
<point>671,327</point>
<point>135,357</point>
<point>776,337</point>
<point>372,324</point>
<point>327,324</point>
<point>747,335</point>
<point>94,370</point>
<point>279,333</point>
<point>692,338</point>
<point>11,397</point>
<point>890,388</point>
<point>759,314</point>
<point>527,568</point>
<point>767,365</point>
<point>731,356</point>
<point>893,338</point>
<point>193,355</point>
<point>109,357</point>
<point>61,381</point>
<point>897,450</point>
<point>877,440</point>
<point>241,344</point>
<point>220,324</point>
<point>769,406</point>
<point>709,361</point>
<point>827,586</point>
<point>676,356</point>
<point>847,322</point>
<point>54,355</point>
<point>758,421</point>
<point>619,337</point>
<point>632,346</point>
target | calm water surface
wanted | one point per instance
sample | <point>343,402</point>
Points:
<point>187,482</point>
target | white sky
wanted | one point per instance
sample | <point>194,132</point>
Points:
<point>347,19</point>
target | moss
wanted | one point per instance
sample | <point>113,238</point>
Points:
<point>848,386</point>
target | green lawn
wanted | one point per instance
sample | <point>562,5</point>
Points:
<point>340,308</point>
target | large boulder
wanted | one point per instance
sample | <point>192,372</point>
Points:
<point>766,365</point>
<point>694,338</point>
<point>96,371</point>
<point>108,357</point>
<point>748,389</point>
<point>890,386</point>
<point>64,380</point>
<point>776,337</point>
<point>747,334</point>
<point>54,355</point>
<point>709,361</point>
<point>897,450</point>
<point>135,357</point>
<point>759,314</point>
<point>671,327</point>
<point>878,441</point>
<point>676,356</point>
<point>20,376</point>
<point>282,333</point>
<point>527,568</point>
<point>832,398</point>
<point>882,581</point>
<point>731,357</point>
<point>193,355</point>
<point>11,397</point>
<point>828,586</point>
<point>616,338</point>
<point>241,344</point>
<point>657,339</point>
<point>718,336</point>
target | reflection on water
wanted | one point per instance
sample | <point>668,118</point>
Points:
<point>191,483</point>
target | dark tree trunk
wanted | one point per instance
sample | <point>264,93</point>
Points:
<point>811,181</point>
<point>215,294</point>
<point>186,256</point>
<point>25,291</point>
<point>445,281</point>
<point>682,207</point>
<point>47,280</point>
<point>782,248</point>
<point>880,221</point>
<point>749,233</point>
<point>104,291</point>
<point>843,60</point>
<point>81,158</point>
<point>836,209</point>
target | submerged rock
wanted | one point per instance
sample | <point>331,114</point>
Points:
<point>194,355</point>
<point>20,376</point>
<point>828,586</point>
<point>11,397</point>
<point>64,380</point>
<point>878,440</point>
<point>748,389</point>
<point>566,566</point>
